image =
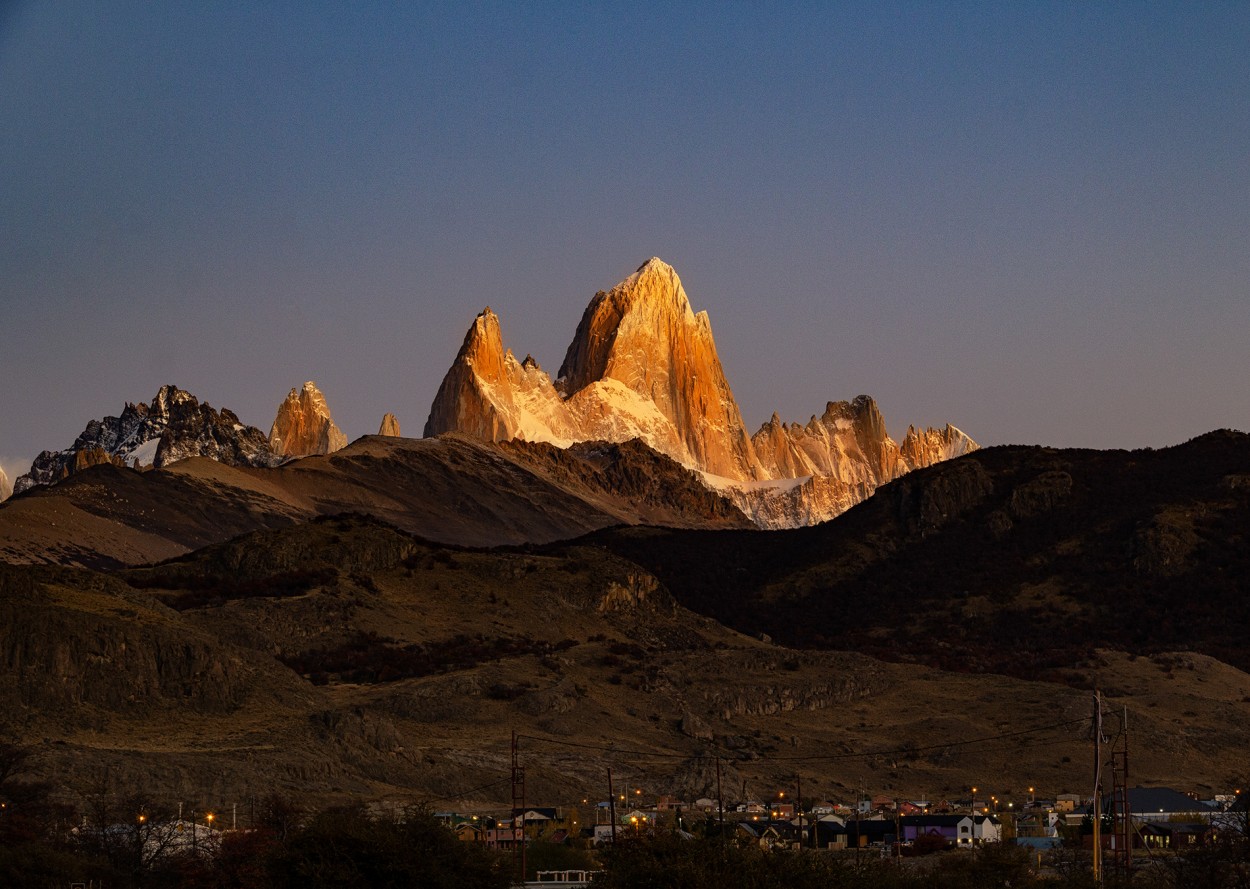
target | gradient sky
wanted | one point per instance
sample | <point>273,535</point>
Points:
<point>1029,219</point>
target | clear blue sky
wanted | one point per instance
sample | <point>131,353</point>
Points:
<point>1029,219</point>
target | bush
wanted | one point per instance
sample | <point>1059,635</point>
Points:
<point>352,848</point>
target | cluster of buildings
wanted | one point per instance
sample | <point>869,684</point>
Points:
<point>1162,818</point>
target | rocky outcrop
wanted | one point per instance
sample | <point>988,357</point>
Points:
<point>643,365</point>
<point>641,345</point>
<point>390,426</point>
<point>176,425</point>
<point>835,461</point>
<point>6,488</point>
<point>303,425</point>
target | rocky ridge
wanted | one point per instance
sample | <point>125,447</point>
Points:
<point>174,426</point>
<point>453,489</point>
<point>6,488</point>
<point>643,365</point>
<point>303,425</point>
<point>835,461</point>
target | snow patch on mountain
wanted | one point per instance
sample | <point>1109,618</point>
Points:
<point>174,426</point>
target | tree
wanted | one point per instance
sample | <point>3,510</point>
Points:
<point>350,847</point>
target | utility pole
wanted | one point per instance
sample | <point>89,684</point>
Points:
<point>1097,813</point>
<point>858,808</point>
<point>720,801</point>
<point>518,805</point>
<point>898,835</point>
<point>1121,811</point>
<point>612,805</point>
<point>799,802</point>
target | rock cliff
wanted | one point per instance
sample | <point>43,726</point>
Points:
<point>6,488</point>
<point>836,460</point>
<point>303,425</point>
<point>176,425</point>
<point>643,365</point>
<point>643,336</point>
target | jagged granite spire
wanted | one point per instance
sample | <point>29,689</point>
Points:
<point>390,426</point>
<point>641,365</point>
<point>303,425</point>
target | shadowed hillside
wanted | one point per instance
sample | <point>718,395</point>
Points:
<point>450,489</point>
<point>1012,559</point>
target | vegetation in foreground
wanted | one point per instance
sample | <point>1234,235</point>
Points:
<point>124,844</point>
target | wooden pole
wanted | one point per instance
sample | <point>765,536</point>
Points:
<point>720,801</point>
<point>612,804</point>
<point>1097,787</point>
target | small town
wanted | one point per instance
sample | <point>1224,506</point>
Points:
<point>1052,837</point>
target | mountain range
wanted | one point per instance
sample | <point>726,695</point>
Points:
<point>643,364</point>
<point>191,606</point>
<point>343,658</point>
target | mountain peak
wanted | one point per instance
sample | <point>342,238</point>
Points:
<point>655,264</point>
<point>474,397</point>
<point>173,426</point>
<point>303,425</point>
<point>642,364</point>
<point>390,426</point>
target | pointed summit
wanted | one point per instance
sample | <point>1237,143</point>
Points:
<point>474,397</point>
<point>650,304</point>
<point>643,335</point>
<point>303,425</point>
<point>390,426</point>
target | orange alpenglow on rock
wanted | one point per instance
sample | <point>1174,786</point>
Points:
<point>390,426</point>
<point>643,365</point>
<point>303,425</point>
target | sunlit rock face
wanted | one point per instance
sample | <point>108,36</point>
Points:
<point>303,425</point>
<point>643,365</point>
<point>175,426</point>
<point>6,488</point>
<point>640,346</point>
<point>928,446</point>
<point>390,426</point>
<point>835,461</point>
